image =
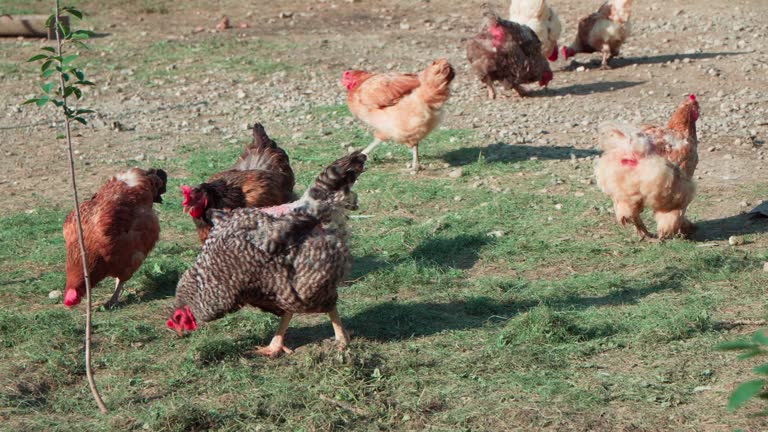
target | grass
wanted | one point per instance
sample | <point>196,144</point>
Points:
<point>449,324</point>
<point>558,321</point>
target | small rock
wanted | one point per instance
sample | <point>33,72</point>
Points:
<point>457,198</point>
<point>496,234</point>
<point>286,14</point>
<point>700,389</point>
<point>458,172</point>
<point>405,26</point>
<point>744,204</point>
<point>53,295</point>
<point>765,266</point>
<point>558,206</point>
<point>581,69</point>
<point>140,157</point>
<point>240,94</point>
<point>735,240</point>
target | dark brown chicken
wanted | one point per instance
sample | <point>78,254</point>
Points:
<point>119,228</point>
<point>509,53</point>
<point>284,260</point>
<point>262,177</point>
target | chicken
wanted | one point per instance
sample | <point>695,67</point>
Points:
<point>285,260</point>
<point>119,229</point>
<point>262,177</point>
<point>507,52</point>
<point>540,18</point>
<point>603,31</point>
<point>651,167</point>
<point>399,107</point>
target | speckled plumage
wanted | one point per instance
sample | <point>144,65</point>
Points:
<point>289,261</point>
<point>515,60</point>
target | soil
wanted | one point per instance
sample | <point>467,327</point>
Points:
<point>714,49</point>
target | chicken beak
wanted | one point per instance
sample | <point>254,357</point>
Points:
<point>179,332</point>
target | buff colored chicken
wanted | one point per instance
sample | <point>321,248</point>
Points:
<point>653,167</point>
<point>400,107</point>
<point>603,31</point>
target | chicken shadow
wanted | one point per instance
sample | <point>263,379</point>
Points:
<point>393,321</point>
<point>595,87</point>
<point>620,62</point>
<point>460,252</point>
<point>721,229</point>
<point>505,152</point>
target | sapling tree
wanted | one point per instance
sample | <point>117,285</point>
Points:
<point>757,346</point>
<point>63,82</point>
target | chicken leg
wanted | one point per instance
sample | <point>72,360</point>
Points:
<point>415,166</point>
<point>116,295</point>
<point>341,335</point>
<point>491,91</point>
<point>376,141</point>
<point>606,56</point>
<point>276,348</point>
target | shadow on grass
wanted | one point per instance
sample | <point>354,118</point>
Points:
<point>393,321</point>
<point>620,62</point>
<point>505,152</point>
<point>460,252</point>
<point>156,286</point>
<point>721,229</point>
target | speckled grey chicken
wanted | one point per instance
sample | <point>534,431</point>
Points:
<point>284,260</point>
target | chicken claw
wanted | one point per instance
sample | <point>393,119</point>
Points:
<point>275,349</point>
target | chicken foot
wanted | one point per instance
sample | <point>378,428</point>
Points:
<point>116,295</point>
<point>276,347</point>
<point>341,335</point>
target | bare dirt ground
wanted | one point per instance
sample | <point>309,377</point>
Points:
<point>155,95</point>
<point>714,49</point>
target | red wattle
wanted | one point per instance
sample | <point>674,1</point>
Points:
<point>629,162</point>
<point>553,56</point>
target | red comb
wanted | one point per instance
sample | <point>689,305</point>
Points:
<point>692,97</point>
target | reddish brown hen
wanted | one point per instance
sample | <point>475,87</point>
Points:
<point>119,228</point>
<point>262,177</point>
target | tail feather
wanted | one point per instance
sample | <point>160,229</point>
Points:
<point>617,137</point>
<point>338,177</point>
<point>263,154</point>
<point>435,83</point>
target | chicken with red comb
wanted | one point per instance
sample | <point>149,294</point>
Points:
<point>652,166</point>
<point>509,53</point>
<point>285,260</point>
<point>120,228</point>
<point>262,177</point>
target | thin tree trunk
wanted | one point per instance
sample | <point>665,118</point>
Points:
<point>81,241</point>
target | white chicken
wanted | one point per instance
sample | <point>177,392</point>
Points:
<point>537,15</point>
